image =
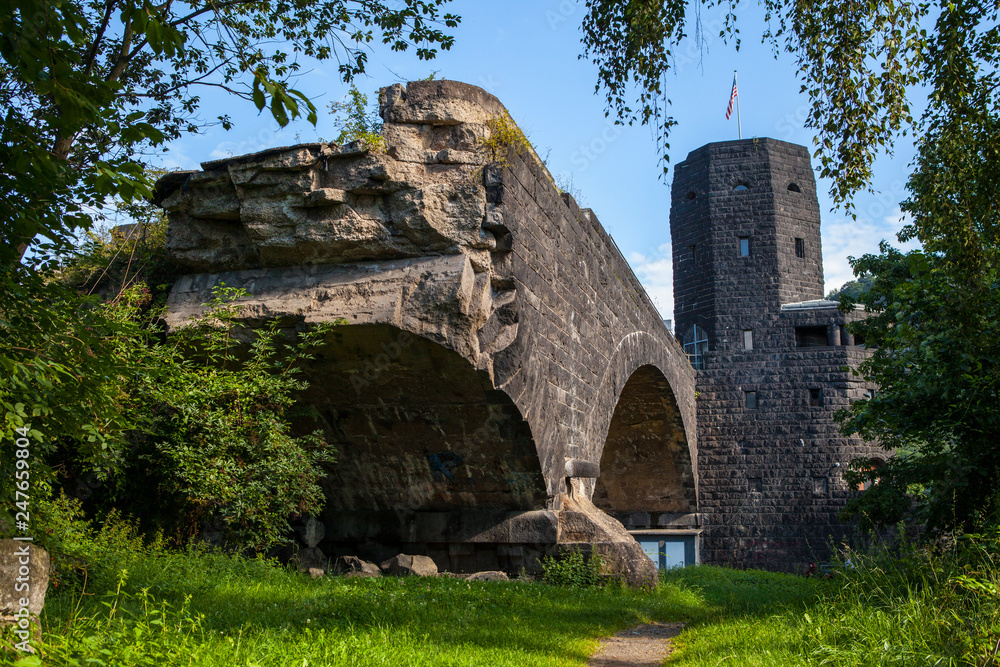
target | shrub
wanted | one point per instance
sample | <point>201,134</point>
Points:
<point>572,569</point>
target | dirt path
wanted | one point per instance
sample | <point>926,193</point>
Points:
<point>641,646</point>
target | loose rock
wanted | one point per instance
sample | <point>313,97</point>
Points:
<point>489,575</point>
<point>352,564</point>
<point>308,559</point>
<point>405,565</point>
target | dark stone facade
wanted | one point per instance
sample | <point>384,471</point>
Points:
<point>774,362</point>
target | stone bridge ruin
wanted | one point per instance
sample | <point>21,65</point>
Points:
<point>504,387</point>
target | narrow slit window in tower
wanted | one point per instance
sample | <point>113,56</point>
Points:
<point>744,246</point>
<point>748,339</point>
<point>751,399</point>
<point>693,255</point>
<point>800,247</point>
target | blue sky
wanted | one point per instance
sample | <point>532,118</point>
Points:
<point>526,53</point>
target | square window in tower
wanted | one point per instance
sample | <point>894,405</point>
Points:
<point>815,397</point>
<point>821,486</point>
<point>748,339</point>
<point>744,246</point>
<point>751,399</point>
<point>810,337</point>
<point>800,247</point>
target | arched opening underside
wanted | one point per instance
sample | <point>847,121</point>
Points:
<point>430,459</point>
<point>417,429</point>
<point>646,464</point>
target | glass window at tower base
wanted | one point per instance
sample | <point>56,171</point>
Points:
<point>696,346</point>
<point>669,549</point>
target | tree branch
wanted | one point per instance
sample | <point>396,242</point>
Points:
<point>92,56</point>
<point>124,55</point>
<point>212,6</point>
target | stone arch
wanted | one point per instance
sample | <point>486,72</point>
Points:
<point>637,350</point>
<point>646,464</point>
<point>417,428</point>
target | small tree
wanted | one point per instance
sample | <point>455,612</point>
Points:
<point>356,121</point>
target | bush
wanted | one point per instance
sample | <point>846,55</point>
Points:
<point>572,569</point>
<point>217,445</point>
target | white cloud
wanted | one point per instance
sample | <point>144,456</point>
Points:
<point>175,160</point>
<point>264,138</point>
<point>843,238</point>
<point>655,271</point>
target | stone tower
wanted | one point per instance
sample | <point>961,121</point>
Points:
<point>772,357</point>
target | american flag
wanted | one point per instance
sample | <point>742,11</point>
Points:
<point>732,98</point>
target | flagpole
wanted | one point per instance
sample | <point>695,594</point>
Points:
<point>739,121</point>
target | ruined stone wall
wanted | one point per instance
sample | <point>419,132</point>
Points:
<point>577,294</point>
<point>771,474</point>
<point>493,327</point>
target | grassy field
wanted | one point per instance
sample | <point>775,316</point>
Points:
<point>213,610</point>
<point>149,606</point>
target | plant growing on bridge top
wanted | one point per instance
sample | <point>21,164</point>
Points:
<point>504,136</point>
<point>357,122</point>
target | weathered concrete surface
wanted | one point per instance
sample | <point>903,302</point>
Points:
<point>494,328</point>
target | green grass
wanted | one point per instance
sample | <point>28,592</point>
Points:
<point>147,605</point>
<point>251,613</point>
<point>217,610</point>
